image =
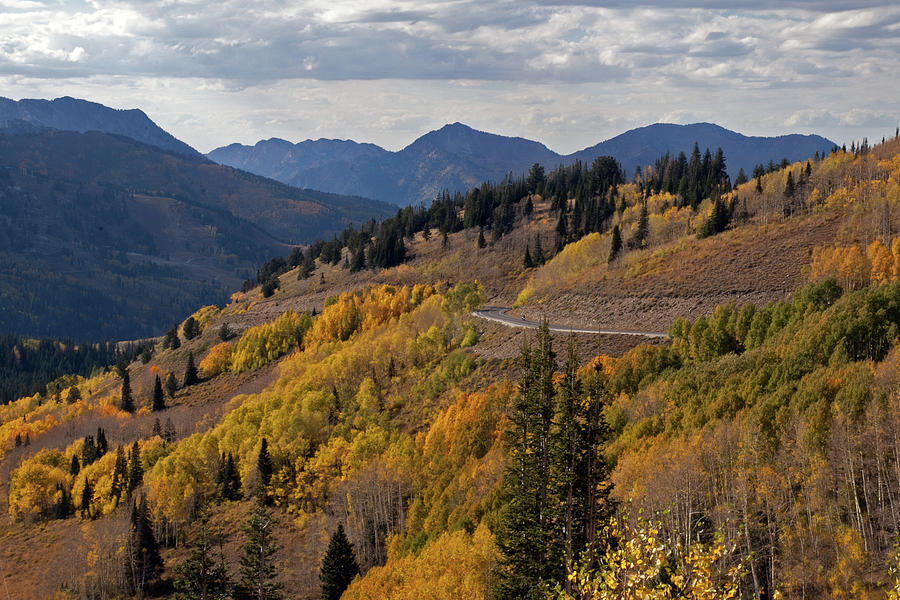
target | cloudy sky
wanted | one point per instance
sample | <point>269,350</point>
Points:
<point>567,73</point>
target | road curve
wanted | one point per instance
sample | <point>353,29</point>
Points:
<point>498,315</point>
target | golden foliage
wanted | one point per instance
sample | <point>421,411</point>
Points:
<point>633,568</point>
<point>852,269</point>
<point>217,360</point>
<point>456,565</point>
<point>34,487</point>
<point>264,343</point>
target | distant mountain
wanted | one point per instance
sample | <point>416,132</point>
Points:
<point>105,237</point>
<point>457,157</point>
<point>642,146</point>
<point>70,114</point>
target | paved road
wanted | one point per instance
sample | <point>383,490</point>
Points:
<point>498,315</point>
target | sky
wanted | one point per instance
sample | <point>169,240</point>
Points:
<point>566,73</point>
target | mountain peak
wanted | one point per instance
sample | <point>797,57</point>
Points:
<point>74,114</point>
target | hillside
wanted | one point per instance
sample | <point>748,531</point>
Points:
<point>71,114</point>
<point>753,453</point>
<point>104,237</point>
<point>456,157</point>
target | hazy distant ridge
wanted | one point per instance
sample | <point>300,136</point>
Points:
<point>71,114</point>
<point>457,157</point>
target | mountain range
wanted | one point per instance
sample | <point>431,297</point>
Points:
<point>456,157</point>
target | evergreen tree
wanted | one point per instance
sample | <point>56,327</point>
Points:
<point>616,245</point>
<point>157,427</point>
<point>528,548</point>
<point>74,466</point>
<point>527,262</point>
<point>87,494</point>
<point>639,238</point>
<point>269,286</point>
<point>120,475</point>
<point>741,178</point>
<point>717,221</point>
<point>229,478</point>
<point>102,445</point>
<point>339,566</point>
<point>127,402</point>
<point>789,187</point>
<point>562,231</point>
<point>759,187</point>
<point>74,395</point>
<point>203,576</point>
<point>539,257</point>
<point>169,433</point>
<point>171,341</point>
<point>225,333</point>
<point>171,384</point>
<point>529,207</point>
<point>190,372</point>
<point>159,399</point>
<point>257,571</point>
<point>190,328</point>
<point>481,241</point>
<point>135,469</point>
<point>264,464</point>
<point>143,564</point>
<point>63,506</point>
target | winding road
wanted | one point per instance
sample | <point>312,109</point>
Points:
<point>498,315</point>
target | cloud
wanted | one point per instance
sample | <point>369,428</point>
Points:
<point>589,64</point>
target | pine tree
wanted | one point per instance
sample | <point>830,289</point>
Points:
<point>616,245</point>
<point>203,576</point>
<point>562,231</point>
<point>171,384</point>
<point>157,428</point>
<point>171,340</point>
<point>135,469</point>
<point>527,262</point>
<point>74,466</point>
<point>190,372</point>
<point>120,475</point>
<point>63,506</point>
<point>225,333</point>
<point>529,555</point>
<point>741,178</point>
<point>190,328</point>
<point>169,433</point>
<point>127,402</point>
<point>481,241</point>
<point>339,566</point>
<point>759,187</point>
<point>229,478</point>
<point>264,464</point>
<point>639,238</point>
<point>143,564</point>
<point>789,187</point>
<point>257,571</point>
<point>74,395</point>
<point>539,257</point>
<point>102,445</point>
<point>87,494</point>
<point>159,399</point>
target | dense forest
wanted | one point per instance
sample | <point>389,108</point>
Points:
<point>28,366</point>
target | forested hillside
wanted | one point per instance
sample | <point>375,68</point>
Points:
<point>346,424</point>
<point>105,238</point>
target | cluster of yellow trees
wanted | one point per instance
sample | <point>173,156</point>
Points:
<point>853,268</point>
